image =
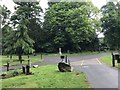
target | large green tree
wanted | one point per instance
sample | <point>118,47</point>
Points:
<point>111,24</point>
<point>36,32</point>
<point>18,41</point>
<point>70,25</point>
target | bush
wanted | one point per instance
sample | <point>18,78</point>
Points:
<point>15,73</point>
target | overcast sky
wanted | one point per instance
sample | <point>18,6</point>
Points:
<point>43,3</point>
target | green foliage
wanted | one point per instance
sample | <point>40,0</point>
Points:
<point>15,73</point>
<point>69,25</point>
<point>32,12</point>
<point>12,73</point>
<point>4,18</point>
<point>6,30</point>
<point>111,24</point>
<point>4,14</point>
<point>18,40</point>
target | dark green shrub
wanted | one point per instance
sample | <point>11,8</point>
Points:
<point>15,73</point>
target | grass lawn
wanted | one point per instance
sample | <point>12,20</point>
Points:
<point>47,77</point>
<point>108,60</point>
<point>15,62</point>
<point>72,54</point>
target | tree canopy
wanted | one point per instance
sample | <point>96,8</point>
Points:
<point>18,40</point>
<point>111,24</point>
<point>70,25</point>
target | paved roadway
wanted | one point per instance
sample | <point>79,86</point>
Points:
<point>99,75</point>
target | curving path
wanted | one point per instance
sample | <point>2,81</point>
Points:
<point>55,59</point>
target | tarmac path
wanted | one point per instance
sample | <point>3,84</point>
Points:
<point>99,75</point>
<point>48,60</point>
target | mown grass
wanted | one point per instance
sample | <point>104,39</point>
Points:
<point>14,61</point>
<point>71,54</point>
<point>108,60</point>
<point>47,77</point>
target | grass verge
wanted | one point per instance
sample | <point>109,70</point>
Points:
<point>108,60</point>
<point>47,77</point>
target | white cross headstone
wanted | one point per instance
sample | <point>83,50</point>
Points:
<point>60,51</point>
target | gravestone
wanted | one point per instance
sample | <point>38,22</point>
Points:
<point>23,69</point>
<point>7,66</point>
<point>64,65</point>
<point>60,51</point>
<point>115,57</point>
<point>27,69</point>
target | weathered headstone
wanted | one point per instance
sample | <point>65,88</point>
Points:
<point>64,65</point>
<point>41,57</point>
<point>23,69</point>
<point>115,57</point>
<point>27,69</point>
<point>68,51</point>
<point>7,66</point>
<point>60,51</point>
<point>62,57</point>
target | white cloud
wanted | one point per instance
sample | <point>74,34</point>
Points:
<point>101,35</point>
<point>9,4</point>
<point>43,3</point>
<point>99,3</point>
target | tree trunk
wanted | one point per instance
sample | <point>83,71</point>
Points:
<point>20,59</point>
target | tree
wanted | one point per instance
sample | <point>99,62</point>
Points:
<point>35,25</point>
<point>18,41</point>
<point>5,29</point>
<point>111,24</point>
<point>69,25</point>
<point>4,14</point>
